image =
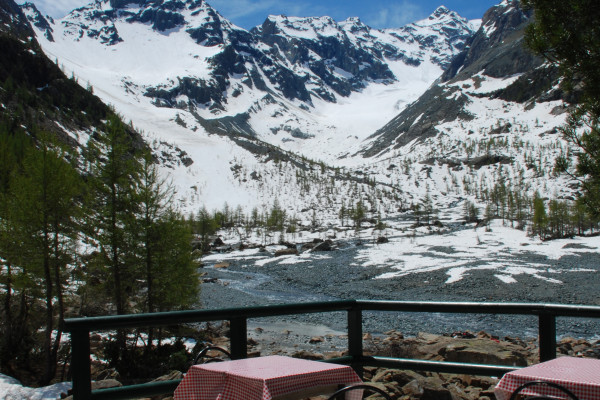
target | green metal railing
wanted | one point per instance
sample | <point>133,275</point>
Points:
<point>80,329</point>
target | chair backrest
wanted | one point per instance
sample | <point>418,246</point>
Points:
<point>550,391</point>
<point>206,355</point>
<point>364,387</point>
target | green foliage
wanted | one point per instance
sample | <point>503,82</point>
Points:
<point>539,222</point>
<point>137,255</point>
<point>358,213</point>
<point>471,212</point>
<point>205,226</point>
<point>42,207</point>
<point>114,172</point>
<point>164,245</point>
<point>566,32</point>
<point>277,217</point>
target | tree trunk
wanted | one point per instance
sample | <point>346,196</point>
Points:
<point>50,367</point>
<point>59,296</point>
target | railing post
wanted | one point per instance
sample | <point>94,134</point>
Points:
<point>355,337</point>
<point>547,336</point>
<point>80,364</point>
<point>238,330</point>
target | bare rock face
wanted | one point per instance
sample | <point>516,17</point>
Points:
<point>480,349</point>
<point>484,351</point>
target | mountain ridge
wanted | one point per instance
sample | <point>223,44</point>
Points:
<point>312,91</point>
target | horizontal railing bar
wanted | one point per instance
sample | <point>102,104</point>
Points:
<point>81,327</point>
<point>165,318</point>
<point>480,308</point>
<point>179,317</point>
<point>435,366</point>
<point>136,391</point>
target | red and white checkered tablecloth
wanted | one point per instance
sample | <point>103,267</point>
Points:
<point>580,375</point>
<point>261,378</point>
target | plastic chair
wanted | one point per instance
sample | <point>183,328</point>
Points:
<point>206,355</point>
<point>366,388</point>
<point>557,389</point>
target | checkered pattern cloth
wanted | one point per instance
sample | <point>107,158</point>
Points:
<point>261,378</point>
<point>580,375</point>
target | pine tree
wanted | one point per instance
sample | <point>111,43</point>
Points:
<point>358,214</point>
<point>44,201</point>
<point>539,221</point>
<point>115,167</point>
<point>205,227</point>
<point>566,33</point>
<point>471,212</point>
<point>277,217</point>
<point>427,210</point>
<point>343,213</point>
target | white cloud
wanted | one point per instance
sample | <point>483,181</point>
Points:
<point>260,9</point>
<point>394,15</point>
<point>59,8</point>
<point>233,9</point>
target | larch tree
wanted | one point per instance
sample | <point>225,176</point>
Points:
<point>45,207</point>
<point>114,167</point>
<point>567,34</point>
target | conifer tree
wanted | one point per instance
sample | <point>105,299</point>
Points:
<point>114,172</point>
<point>358,214</point>
<point>44,207</point>
<point>205,226</point>
<point>566,32</point>
<point>277,217</point>
<point>539,221</point>
<point>165,244</point>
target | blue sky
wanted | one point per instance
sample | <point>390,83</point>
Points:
<point>375,13</point>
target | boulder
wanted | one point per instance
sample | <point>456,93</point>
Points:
<point>484,351</point>
<point>171,376</point>
<point>307,355</point>
<point>478,350</point>
<point>286,252</point>
<point>433,389</point>
<point>327,245</point>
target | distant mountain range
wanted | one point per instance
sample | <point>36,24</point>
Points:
<point>438,106</point>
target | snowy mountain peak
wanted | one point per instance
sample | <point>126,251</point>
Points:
<point>442,16</point>
<point>441,10</point>
<point>303,27</point>
<point>36,18</point>
<point>501,19</point>
<point>355,26</point>
<point>98,20</point>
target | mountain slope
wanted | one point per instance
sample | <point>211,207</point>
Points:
<point>35,93</point>
<point>490,122</point>
<point>250,109</point>
<point>280,93</point>
<point>280,82</point>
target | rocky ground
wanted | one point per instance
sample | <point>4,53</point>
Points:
<point>297,274</point>
<point>462,346</point>
<point>244,281</point>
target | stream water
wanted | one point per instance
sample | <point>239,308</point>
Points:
<point>457,264</point>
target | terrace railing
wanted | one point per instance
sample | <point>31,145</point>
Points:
<point>80,329</point>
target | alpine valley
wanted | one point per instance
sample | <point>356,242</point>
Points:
<point>314,112</point>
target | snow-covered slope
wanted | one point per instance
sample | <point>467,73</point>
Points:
<point>246,116</point>
<point>311,86</point>
<point>489,124</point>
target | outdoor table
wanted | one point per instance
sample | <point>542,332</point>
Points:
<point>580,375</point>
<point>263,378</point>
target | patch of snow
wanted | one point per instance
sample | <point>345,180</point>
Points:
<point>12,389</point>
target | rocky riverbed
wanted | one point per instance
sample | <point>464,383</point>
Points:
<point>497,265</point>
